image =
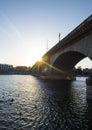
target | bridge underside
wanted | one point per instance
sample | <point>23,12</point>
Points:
<point>64,64</point>
<point>61,68</point>
<point>67,61</point>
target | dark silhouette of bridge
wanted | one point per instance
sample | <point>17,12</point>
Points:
<point>60,60</point>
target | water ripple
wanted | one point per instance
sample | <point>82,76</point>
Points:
<point>27,103</point>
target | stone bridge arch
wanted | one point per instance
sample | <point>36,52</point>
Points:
<point>66,58</point>
<point>60,60</point>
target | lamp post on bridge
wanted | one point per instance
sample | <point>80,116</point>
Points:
<point>47,46</point>
<point>59,37</point>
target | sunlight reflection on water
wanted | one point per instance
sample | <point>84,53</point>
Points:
<point>27,103</point>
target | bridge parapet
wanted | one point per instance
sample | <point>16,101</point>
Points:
<point>83,29</point>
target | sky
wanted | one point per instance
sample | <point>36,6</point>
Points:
<point>26,26</point>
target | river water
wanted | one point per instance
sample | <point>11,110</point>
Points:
<point>28,103</point>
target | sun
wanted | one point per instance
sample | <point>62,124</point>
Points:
<point>33,57</point>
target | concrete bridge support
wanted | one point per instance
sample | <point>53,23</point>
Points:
<point>89,88</point>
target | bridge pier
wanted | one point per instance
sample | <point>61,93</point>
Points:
<point>89,88</point>
<point>57,77</point>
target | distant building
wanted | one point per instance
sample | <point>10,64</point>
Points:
<point>5,67</point>
<point>9,69</point>
<point>22,70</point>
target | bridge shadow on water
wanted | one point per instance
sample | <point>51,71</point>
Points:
<point>65,104</point>
<point>57,83</point>
<point>60,90</point>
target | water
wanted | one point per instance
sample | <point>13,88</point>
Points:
<point>27,103</point>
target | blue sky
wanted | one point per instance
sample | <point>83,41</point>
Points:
<point>27,25</point>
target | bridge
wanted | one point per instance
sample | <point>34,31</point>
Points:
<point>60,60</point>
